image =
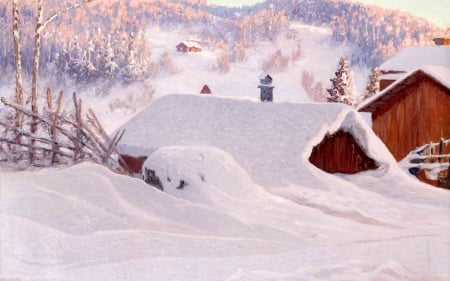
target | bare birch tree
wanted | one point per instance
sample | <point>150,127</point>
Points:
<point>18,63</point>
<point>36,57</point>
<point>40,25</point>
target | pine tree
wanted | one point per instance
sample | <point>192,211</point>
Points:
<point>373,84</point>
<point>342,85</point>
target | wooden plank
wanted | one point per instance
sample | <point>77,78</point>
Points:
<point>77,141</point>
<point>54,130</point>
<point>43,119</point>
<point>35,147</point>
<point>97,125</point>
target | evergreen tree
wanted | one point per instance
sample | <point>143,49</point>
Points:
<point>373,84</point>
<point>342,85</point>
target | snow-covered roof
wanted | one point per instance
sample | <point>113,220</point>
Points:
<point>263,76</point>
<point>258,135</point>
<point>412,58</point>
<point>439,73</point>
<point>392,76</point>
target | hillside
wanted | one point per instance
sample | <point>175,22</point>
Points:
<point>80,43</point>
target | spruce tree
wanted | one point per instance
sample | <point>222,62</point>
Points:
<point>373,83</point>
<point>342,85</point>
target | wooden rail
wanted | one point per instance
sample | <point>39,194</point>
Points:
<point>59,138</point>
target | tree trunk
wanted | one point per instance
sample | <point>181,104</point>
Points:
<point>18,63</point>
<point>34,85</point>
<point>36,57</point>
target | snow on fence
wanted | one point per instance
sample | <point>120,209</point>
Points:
<point>62,138</point>
<point>434,158</point>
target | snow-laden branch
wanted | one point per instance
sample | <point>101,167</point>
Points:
<point>57,14</point>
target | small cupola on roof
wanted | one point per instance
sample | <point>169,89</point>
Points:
<point>266,88</point>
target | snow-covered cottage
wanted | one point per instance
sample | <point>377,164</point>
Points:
<point>412,58</point>
<point>189,46</point>
<point>262,138</point>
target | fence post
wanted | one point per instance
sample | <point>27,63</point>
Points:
<point>77,143</point>
<point>54,130</point>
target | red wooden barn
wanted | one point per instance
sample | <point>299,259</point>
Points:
<point>246,130</point>
<point>412,111</point>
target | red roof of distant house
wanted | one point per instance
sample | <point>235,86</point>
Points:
<point>205,90</point>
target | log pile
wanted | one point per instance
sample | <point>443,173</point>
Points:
<point>56,137</point>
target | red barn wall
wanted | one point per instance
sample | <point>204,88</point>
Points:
<point>417,114</point>
<point>384,83</point>
<point>132,164</point>
<point>340,153</point>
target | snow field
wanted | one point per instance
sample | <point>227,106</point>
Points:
<point>85,223</point>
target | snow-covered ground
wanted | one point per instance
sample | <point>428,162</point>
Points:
<point>86,223</point>
<point>231,221</point>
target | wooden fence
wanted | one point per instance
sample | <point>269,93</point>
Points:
<point>61,137</point>
<point>434,159</point>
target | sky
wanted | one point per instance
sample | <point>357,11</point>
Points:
<point>436,11</point>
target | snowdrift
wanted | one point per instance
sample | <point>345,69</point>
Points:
<point>86,223</point>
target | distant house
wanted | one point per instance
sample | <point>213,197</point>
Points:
<point>189,46</point>
<point>441,41</point>
<point>412,111</point>
<point>410,59</point>
<point>249,132</point>
<point>205,90</point>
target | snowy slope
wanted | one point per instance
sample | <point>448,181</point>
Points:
<point>86,223</point>
<point>196,69</point>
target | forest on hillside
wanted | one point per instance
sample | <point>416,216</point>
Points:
<point>107,39</point>
<point>374,33</point>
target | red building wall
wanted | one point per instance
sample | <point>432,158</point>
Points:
<point>417,113</point>
<point>340,153</point>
